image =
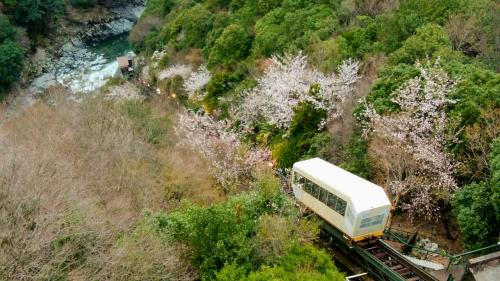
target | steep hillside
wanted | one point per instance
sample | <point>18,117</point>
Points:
<point>285,75</point>
<point>182,171</point>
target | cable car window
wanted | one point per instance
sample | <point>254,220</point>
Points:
<point>324,195</point>
<point>371,221</point>
<point>331,200</point>
<point>299,180</point>
<point>306,186</point>
<point>311,189</point>
<point>341,206</point>
<point>317,191</point>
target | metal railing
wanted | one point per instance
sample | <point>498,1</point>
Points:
<point>457,259</point>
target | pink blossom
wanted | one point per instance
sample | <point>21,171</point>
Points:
<point>197,80</point>
<point>182,70</point>
<point>419,130</point>
<point>287,82</point>
<point>230,160</point>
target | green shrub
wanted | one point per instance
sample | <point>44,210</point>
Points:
<point>82,4</point>
<point>390,79</point>
<point>231,46</point>
<point>221,21</point>
<point>190,28</point>
<point>428,40</point>
<point>303,137</point>
<point>37,14</point>
<point>477,206</point>
<point>478,88</point>
<point>358,40</point>
<point>394,28</point>
<point>327,55</point>
<point>293,28</point>
<point>302,263</point>
<point>160,7</point>
<point>11,64</point>
<point>220,84</point>
<point>7,31</point>
<point>355,156</point>
<point>220,234</point>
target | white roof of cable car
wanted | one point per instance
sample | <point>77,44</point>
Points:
<point>364,195</point>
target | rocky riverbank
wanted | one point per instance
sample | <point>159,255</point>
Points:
<point>122,19</point>
<point>75,65</point>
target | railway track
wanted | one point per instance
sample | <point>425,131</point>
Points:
<point>396,263</point>
<point>382,261</point>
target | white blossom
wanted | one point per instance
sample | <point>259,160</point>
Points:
<point>419,130</point>
<point>127,91</point>
<point>179,69</point>
<point>287,82</point>
<point>157,56</point>
<point>231,161</point>
<point>197,80</point>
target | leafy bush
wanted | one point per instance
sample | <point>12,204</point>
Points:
<point>292,27</point>
<point>161,7</point>
<point>303,138</point>
<point>11,56</point>
<point>389,80</point>
<point>327,55</point>
<point>190,28</point>
<point>7,31</point>
<point>358,40</point>
<point>250,236</point>
<point>220,84</point>
<point>220,234</point>
<point>428,40</point>
<point>82,4</point>
<point>394,28</point>
<point>11,64</point>
<point>356,158</point>
<point>37,14</point>
<point>477,206</point>
<point>304,263</point>
<point>152,129</point>
<point>231,46</point>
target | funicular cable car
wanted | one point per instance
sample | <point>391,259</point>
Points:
<point>353,205</point>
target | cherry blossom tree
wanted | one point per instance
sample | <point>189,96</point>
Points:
<point>231,161</point>
<point>157,56</point>
<point>420,170</point>
<point>287,82</point>
<point>197,80</point>
<point>179,69</point>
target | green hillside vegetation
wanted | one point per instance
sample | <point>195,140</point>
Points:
<point>113,197</point>
<point>191,183</point>
<point>234,38</point>
<point>11,55</point>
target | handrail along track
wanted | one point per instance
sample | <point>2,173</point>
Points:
<point>380,259</point>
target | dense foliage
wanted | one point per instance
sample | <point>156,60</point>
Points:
<point>249,237</point>
<point>36,14</point>
<point>270,65</point>
<point>264,84</point>
<point>477,206</point>
<point>11,56</point>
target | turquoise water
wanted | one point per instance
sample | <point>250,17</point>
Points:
<point>89,69</point>
<point>113,47</point>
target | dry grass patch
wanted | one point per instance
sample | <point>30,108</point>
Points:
<point>76,177</point>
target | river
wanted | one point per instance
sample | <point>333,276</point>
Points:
<point>83,68</point>
<point>88,69</point>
